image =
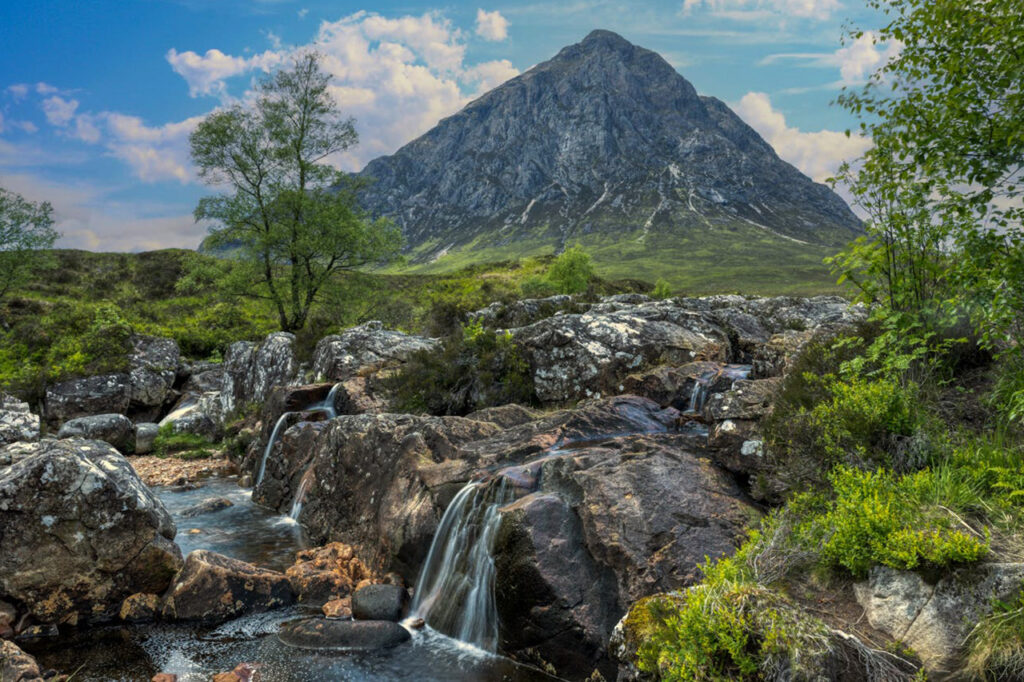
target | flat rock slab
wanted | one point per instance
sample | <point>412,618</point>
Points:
<point>343,635</point>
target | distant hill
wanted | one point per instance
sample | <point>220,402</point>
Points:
<point>606,144</point>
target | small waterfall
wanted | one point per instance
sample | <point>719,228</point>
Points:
<point>300,495</point>
<point>455,588</point>
<point>697,396</point>
<point>270,444</point>
<point>327,405</point>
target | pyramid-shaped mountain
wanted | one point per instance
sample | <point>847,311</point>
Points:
<point>605,144</point>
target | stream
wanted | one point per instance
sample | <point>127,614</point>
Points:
<point>252,533</point>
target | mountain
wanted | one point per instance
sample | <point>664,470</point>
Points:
<point>608,145</point>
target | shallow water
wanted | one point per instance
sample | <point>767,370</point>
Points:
<point>252,533</point>
<point>244,531</point>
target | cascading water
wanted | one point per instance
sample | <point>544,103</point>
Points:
<point>270,445</point>
<point>300,495</point>
<point>455,588</point>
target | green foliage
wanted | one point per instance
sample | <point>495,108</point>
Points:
<point>538,287</point>
<point>996,644</point>
<point>292,220</point>
<point>572,271</point>
<point>168,441</point>
<point>473,369</point>
<point>26,229</point>
<point>662,289</point>
<point>1008,395</point>
<point>878,517</point>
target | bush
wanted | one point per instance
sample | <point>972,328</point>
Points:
<point>878,517</point>
<point>662,289</point>
<point>475,368</point>
<point>169,441</point>
<point>572,271</point>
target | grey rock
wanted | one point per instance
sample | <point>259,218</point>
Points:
<point>206,381</point>
<point>115,429</point>
<point>9,454</point>
<point>207,506</point>
<point>343,635</point>
<point>747,399</point>
<point>17,422</point>
<point>200,414</point>
<point>80,532</point>
<point>103,394</point>
<point>362,349</point>
<point>154,365</point>
<point>145,437</point>
<point>525,311</point>
<point>505,416</point>
<point>604,138</point>
<point>380,602</point>
<point>251,371</point>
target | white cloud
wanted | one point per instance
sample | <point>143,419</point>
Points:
<point>154,153</point>
<point>18,90</point>
<point>303,12</point>
<point>755,10</point>
<point>86,130</point>
<point>856,61</point>
<point>46,89</point>
<point>491,25</point>
<point>490,75</point>
<point>59,111</point>
<point>818,154</point>
<point>205,74</point>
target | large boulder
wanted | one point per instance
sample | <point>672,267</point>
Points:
<point>16,665</point>
<point>80,532</point>
<point>115,429</point>
<point>202,415</point>
<point>212,588</point>
<point>252,370</point>
<point>326,573</point>
<point>935,619</point>
<point>526,311</point>
<point>380,602</point>
<point>17,423</point>
<point>145,437</point>
<point>366,348</point>
<point>103,394</point>
<point>154,365</point>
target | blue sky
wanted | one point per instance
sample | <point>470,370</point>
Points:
<point>97,98</point>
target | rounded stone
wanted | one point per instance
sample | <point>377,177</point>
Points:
<point>343,635</point>
<point>379,602</point>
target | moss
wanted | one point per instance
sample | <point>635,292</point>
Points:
<point>169,441</point>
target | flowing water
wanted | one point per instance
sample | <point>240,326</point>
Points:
<point>300,495</point>
<point>455,588</point>
<point>326,406</point>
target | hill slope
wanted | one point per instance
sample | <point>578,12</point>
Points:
<point>608,145</point>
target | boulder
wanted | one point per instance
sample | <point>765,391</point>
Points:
<point>104,394</point>
<point>9,454</point>
<point>252,370</point>
<point>207,506</point>
<point>526,311</point>
<point>140,608</point>
<point>326,573</point>
<point>364,349</point>
<point>115,429</point>
<point>210,380</point>
<point>80,532</point>
<point>748,399</point>
<point>935,619</point>
<point>17,423</point>
<point>380,602</point>
<point>343,635</point>
<point>16,665</point>
<point>674,386</point>
<point>775,358</point>
<point>212,588</point>
<point>736,445</point>
<point>154,365</point>
<point>201,415</point>
<point>145,437</point>
<point>287,463</point>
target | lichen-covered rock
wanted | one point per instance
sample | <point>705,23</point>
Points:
<point>326,573</point>
<point>16,665</point>
<point>212,588</point>
<point>145,437</point>
<point>80,532</point>
<point>366,348</point>
<point>17,422</point>
<point>103,394</point>
<point>201,415</point>
<point>154,365</point>
<point>251,370</point>
<point>115,429</point>
<point>525,311</point>
<point>9,454</point>
<point>674,386</point>
<point>505,416</point>
<point>935,619</point>
<point>747,399</point>
<point>775,357</point>
<point>737,445</point>
<point>140,608</point>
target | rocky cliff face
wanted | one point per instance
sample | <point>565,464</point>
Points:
<point>608,140</point>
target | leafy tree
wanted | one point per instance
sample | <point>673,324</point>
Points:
<point>292,218</point>
<point>572,271</point>
<point>942,184</point>
<point>26,229</point>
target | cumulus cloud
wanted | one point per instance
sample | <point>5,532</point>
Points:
<point>205,74</point>
<point>855,61</point>
<point>59,111</point>
<point>491,25</point>
<point>818,154</point>
<point>303,12</point>
<point>759,9</point>
<point>18,90</point>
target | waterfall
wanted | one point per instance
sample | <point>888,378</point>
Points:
<point>300,495</point>
<point>327,405</point>
<point>697,396</point>
<point>270,444</point>
<point>455,588</point>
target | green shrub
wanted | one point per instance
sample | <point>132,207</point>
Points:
<point>996,645</point>
<point>572,271</point>
<point>536,286</point>
<point>168,441</point>
<point>473,369</point>
<point>662,289</point>
<point>878,517</point>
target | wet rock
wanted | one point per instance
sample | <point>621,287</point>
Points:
<point>364,349</point>
<point>212,588</point>
<point>145,436</point>
<point>80,532</point>
<point>8,617</point>
<point>104,394</point>
<point>179,473</point>
<point>736,445</point>
<point>164,677</point>
<point>16,665</point>
<point>243,672</point>
<point>674,386</point>
<point>748,399</point>
<point>505,416</point>
<point>934,620</point>
<point>380,602</point>
<point>207,506</point>
<point>17,423</point>
<point>338,608</point>
<point>343,635</point>
<point>140,608</point>
<point>287,463</point>
<point>326,573</point>
<point>115,429</point>
<point>154,364</point>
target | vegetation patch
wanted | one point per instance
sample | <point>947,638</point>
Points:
<point>183,445</point>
